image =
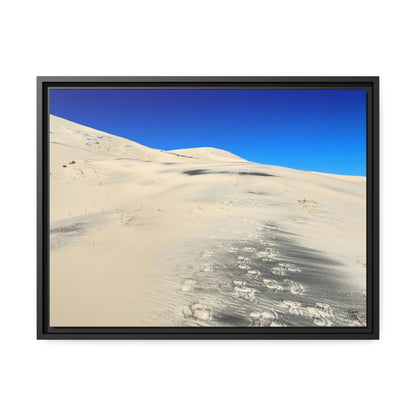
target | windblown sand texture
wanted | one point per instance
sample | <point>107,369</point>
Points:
<point>198,237</point>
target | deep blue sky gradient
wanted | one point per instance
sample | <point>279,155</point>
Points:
<point>317,130</point>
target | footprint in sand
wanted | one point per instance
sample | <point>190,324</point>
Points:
<point>325,308</point>
<point>187,285</point>
<point>272,256</point>
<point>253,274</point>
<point>244,292</point>
<point>272,284</point>
<point>249,249</point>
<point>198,312</point>
<point>282,269</point>
<point>206,254</point>
<point>290,267</point>
<point>322,322</point>
<point>294,287</point>
<point>272,244</point>
<point>265,318</point>
<point>243,262</point>
<point>289,306</point>
<point>206,267</point>
<point>321,315</point>
<point>279,271</point>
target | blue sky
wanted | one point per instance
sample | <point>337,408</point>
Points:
<point>317,130</point>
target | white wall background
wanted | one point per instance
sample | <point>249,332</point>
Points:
<point>206,38</point>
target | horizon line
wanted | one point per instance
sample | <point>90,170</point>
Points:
<point>207,147</point>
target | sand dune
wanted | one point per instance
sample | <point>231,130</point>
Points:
<point>208,153</point>
<point>141,236</point>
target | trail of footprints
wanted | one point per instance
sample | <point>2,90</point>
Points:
<point>246,288</point>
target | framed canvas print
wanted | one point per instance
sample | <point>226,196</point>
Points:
<point>208,207</point>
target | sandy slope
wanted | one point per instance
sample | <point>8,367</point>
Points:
<point>141,236</point>
<point>208,153</point>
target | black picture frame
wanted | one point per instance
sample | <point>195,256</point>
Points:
<point>371,331</point>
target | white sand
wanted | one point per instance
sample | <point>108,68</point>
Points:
<point>124,217</point>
